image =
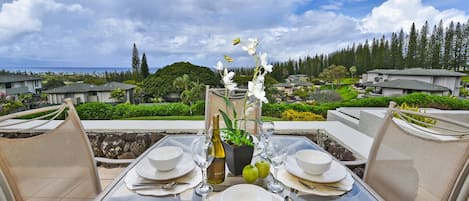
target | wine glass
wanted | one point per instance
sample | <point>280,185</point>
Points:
<point>276,154</point>
<point>203,154</point>
<point>267,129</point>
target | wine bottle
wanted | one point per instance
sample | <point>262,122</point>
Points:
<point>216,170</point>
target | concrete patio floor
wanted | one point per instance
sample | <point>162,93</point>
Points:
<point>106,175</point>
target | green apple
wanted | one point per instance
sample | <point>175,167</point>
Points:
<point>263,167</point>
<point>250,173</point>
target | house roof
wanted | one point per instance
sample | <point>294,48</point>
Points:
<point>410,84</point>
<point>419,71</point>
<point>17,90</point>
<point>16,78</point>
<point>114,85</point>
<point>81,87</point>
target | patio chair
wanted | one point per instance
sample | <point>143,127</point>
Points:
<point>419,161</point>
<point>55,165</point>
<point>214,100</point>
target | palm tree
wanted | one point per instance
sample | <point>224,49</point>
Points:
<point>182,82</point>
<point>195,93</point>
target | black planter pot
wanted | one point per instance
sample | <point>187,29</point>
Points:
<point>237,157</point>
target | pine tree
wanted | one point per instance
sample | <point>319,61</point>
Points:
<point>144,67</point>
<point>457,48</point>
<point>465,46</point>
<point>135,62</point>
<point>400,48</point>
<point>412,48</point>
<point>422,46</point>
<point>448,46</point>
<point>437,47</point>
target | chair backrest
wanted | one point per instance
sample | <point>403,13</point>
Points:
<point>55,165</point>
<point>411,162</point>
<point>214,100</point>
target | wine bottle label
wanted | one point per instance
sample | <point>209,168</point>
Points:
<point>216,171</point>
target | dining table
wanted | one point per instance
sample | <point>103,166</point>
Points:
<point>117,190</point>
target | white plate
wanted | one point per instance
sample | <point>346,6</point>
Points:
<point>248,192</point>
<point>147,171</point>
<point>336,173</point>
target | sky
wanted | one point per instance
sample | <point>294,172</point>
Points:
<point>100,33</point>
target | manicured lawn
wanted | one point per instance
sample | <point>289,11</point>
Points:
<point>465,78</point>
<point>347,93</point>
<point>196,117</point>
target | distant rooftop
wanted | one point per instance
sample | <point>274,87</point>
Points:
<point>418,71</point>
<point>81,87</point>
<point>410,84</point>
<point>16,78</point>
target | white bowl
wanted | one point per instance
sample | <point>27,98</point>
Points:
<point>165,158</point>
<point>312,161</point>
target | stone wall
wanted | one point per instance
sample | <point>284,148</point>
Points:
<point>110,144</point>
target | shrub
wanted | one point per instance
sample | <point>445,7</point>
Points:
<point>198,108</point>
<point>95,111</point>
<point>170,109</point>
<point>292,115</point>
<point>417,99</point>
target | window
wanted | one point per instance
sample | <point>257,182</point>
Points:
<point>36,83</point>
<point>8,85</point>
<point>93,93</point>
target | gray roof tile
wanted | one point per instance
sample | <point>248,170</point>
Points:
<point>81,87</point>
<point>16,78</point>
<point>410,84</point>
<point>419,71</point>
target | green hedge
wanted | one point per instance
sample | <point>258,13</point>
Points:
<point>95,111</point>
<point>417,99</point>
<point>91,111</point>
<point>104,111</point>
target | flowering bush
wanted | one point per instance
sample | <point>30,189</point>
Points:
<point>292,115</point>
<point>255,93</point>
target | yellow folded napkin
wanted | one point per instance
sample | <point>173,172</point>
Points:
<point>320,189</point>
<point>193,178</point>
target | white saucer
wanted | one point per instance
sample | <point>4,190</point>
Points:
<point>147,171</point>
<point>336,173</point>
<point>248,192</point>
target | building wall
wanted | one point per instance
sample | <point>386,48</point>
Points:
<point>453,83</point>
<point>55,98</point>
<point>392,92</point>
<point>427,79</point>
<point>33,85</point>
<point>79,98</point>
<point>370,77</point>
<point>3,89</point>
<point>58,98</point>
<point>105,97</point>
<point>17,84</point>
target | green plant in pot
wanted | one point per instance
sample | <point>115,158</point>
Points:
<point>237,141</point>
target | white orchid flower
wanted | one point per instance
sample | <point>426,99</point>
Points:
<point>264,64</point>
<point>219,66</point>
<point>251,47</point>
<point>256,89</point>
<point>228,80</point>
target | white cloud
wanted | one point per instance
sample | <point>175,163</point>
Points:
<point>101,33</point>
<point>24,16</point>
<point>333,6</point>
<point>393,15</point>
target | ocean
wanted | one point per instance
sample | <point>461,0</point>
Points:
<point>70,70</point>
